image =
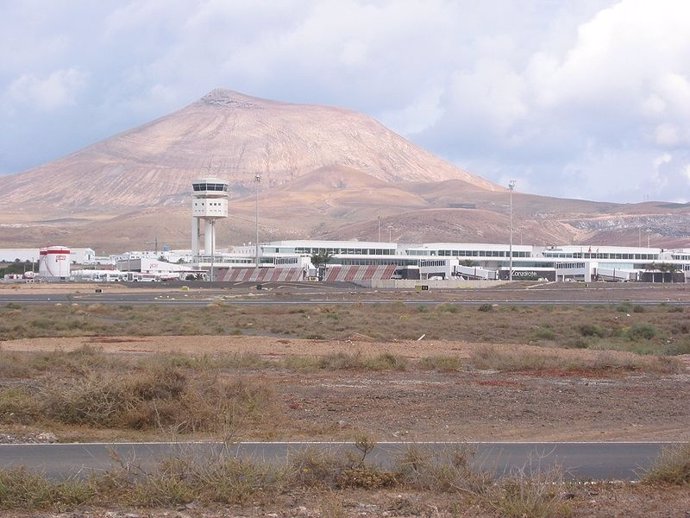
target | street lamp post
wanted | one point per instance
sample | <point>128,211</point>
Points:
<point>257,179</point>
<point>511,187</point>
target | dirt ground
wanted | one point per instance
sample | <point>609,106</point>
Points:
<point>424,405</point>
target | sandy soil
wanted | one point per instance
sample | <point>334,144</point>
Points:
<point>431,405</point>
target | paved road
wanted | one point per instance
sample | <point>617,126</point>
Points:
<point>466,298</point>
<point>578,460</point>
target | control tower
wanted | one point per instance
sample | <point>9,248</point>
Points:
<point>209,203</point>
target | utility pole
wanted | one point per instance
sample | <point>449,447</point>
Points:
<point>511,187</point>
<point>257,179</point>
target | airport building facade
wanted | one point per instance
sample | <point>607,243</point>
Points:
<point>468,261</point>
<point>354,261</point>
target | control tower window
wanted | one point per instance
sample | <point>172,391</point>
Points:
<point>205,187</point>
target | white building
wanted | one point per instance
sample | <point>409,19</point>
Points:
<point>77,255</point>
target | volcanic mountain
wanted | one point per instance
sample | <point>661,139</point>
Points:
<point>324,173</point>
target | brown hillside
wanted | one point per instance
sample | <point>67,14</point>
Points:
<point>234,137</point>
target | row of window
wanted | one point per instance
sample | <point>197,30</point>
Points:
<point>432,263</point>
<point>566,266</point>
<point>397,261</point>
<point>202,187</point>
<point>590,255</point>
<point>285,260</point>
<point>470,253</point>
<point>344,251</point>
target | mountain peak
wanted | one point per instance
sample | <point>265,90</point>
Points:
<point>232,99</point>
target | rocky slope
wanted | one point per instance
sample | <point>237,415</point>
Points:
<point>234,137</point>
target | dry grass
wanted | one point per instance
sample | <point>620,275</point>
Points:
<point>447,471</point>
<point>658,329</point>
<point>489,357</point>
<point>451,478</point>
<point>222,394</point>
<point>671,468</point>
<point>331,482</point>
<point>180,394</point>
<point>537,495</point>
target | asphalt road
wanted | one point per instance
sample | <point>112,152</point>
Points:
<point>344,295</point>
<point>577,460</point>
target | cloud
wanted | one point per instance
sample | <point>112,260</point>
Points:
<point>57,90</point>
<point>570,98</point>
<point>601,102</point>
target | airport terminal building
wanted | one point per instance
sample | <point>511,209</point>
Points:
<point>355,260</point>
<point>363,261</point>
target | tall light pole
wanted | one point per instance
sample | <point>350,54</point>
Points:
<point>257,179</point>
<point>511,187</point>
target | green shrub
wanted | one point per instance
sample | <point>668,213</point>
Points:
<point>576,343</point>
<point>544,333</point>
<point>677,348</point>
<point>486,307</point>
<point>625,307</point>
<point>591,330</point>
<point>642,332</point>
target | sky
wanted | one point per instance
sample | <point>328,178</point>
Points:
<point>571,98</point>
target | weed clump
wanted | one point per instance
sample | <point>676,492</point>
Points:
<point>537,495</point>
<point>671,468</point>
<point>641,332</point>
<point>440,363</point>
<point>386,361</point>
<point>22,489</point>
<point>448,471</point>
<point>591,330</point>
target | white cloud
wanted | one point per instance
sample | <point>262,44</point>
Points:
<point>57,90</point>
<point>666,135</point>
<point>571,98</point>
